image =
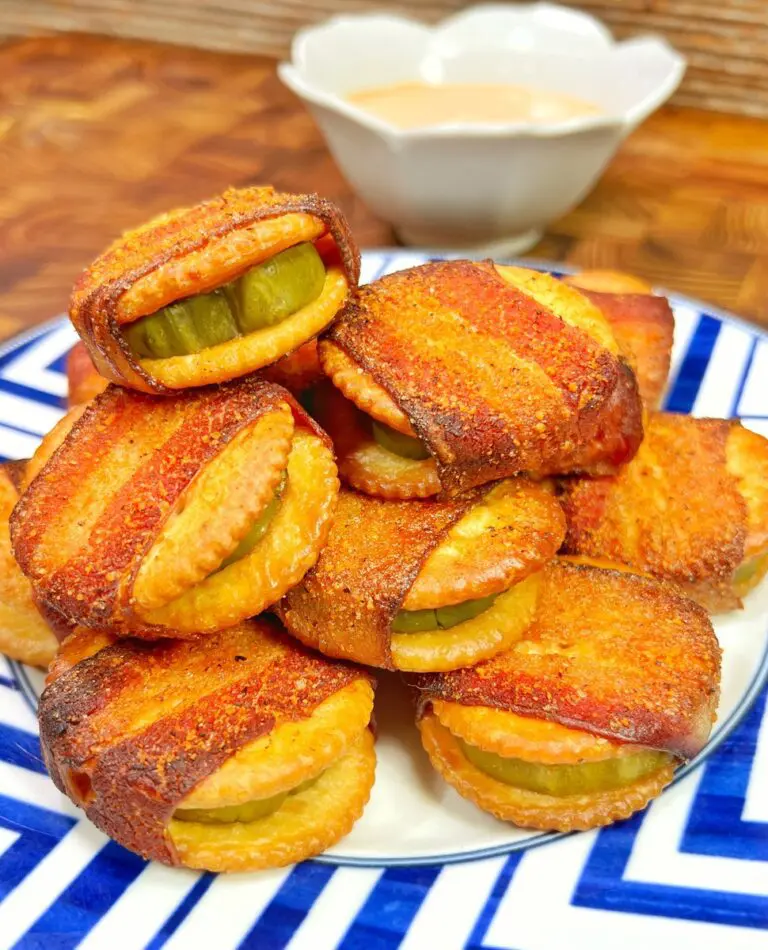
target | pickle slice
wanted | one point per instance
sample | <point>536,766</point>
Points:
<point>278,287</point>
<point>212,319</point>
<point>441,618</point>
<point>150,335</point>
<point>186,326</point>
<point>248,811</point>
<point>258,529</point>
<point>563,780</point>
<point>263,296</point>
<point>397,442</point>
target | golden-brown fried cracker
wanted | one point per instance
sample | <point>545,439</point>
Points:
<point>533,809</point>
<point>513,529</point>
<point>608,282</point>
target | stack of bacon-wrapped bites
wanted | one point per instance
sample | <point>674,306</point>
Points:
<point>510,533</point>
<point>187,496</point>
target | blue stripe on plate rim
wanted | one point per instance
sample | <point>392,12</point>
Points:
<point>759,679</point>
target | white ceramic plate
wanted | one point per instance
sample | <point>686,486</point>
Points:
<point>692,870</point>
<point>414,817</point>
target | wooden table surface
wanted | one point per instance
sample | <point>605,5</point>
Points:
<point>97,134</point>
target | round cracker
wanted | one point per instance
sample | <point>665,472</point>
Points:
<point>533,809</point>
<point>245,354</point>
<point>222,259</point>
<point>609,282</point>
<point>288,549</point>
<point>294,752</point>
<point>361,388</point>
<point>522,737</point>
<point>216,510</point>
<point>363,463</point>
<point>511,532</point>
<point>493,631</point>
<point>304,825</point>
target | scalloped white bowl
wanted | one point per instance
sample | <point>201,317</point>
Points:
<point>495,186</point>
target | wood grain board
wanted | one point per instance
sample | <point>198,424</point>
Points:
<point>726,43</point>
<point>97,134</point>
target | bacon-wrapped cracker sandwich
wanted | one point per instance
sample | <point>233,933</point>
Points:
<point>642,323</point>
<point>582,722</point>
<point>178,516</point>
<point>205,294</point>
<point>691,507</point>
<point>460,373</point>
<point>427,585</point>
<point>24,635</point>
<point>233,752</point>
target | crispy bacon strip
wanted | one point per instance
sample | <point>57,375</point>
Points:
<point>345,605</point>
<point>643,325</point>
<point>613,653</point>
<point>102,301</point>
<point>675,511</point>
<point>493,382</point>
<point>86,523</point>
<point>129,731</point>
<point>642,322</point>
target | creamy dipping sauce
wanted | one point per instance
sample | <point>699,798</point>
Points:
<point>415,104</point>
